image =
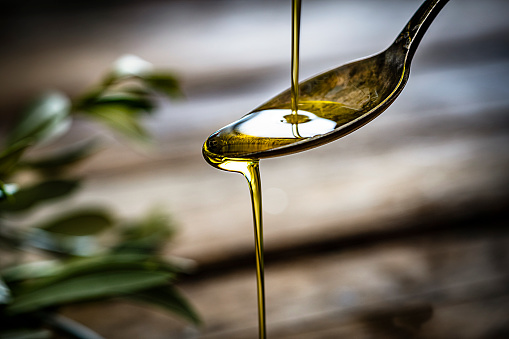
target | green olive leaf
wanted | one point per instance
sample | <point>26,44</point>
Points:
<point>169,298</point>
<point>28,197</point>
<point>45,119</point>
<point>47,272</point>
<point>122,119</point>
<point>60,160</point>
<point>31,270</point>
<point>131,65</point>
<point>136,102</point>
<point>163,82</point>
<point>86,287</point>
<point>79,223</point>
<point>5,293</point>
<point>147,235</point>
<point>7,190</point>
<point>10,157</point>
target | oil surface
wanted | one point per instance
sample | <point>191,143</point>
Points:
<point>278,126</point>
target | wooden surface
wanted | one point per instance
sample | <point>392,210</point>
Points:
<point>401,224</point>
<point>442,284</point>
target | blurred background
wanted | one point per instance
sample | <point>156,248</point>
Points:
<point>399,230</point>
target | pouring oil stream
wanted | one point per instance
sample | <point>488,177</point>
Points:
<point>250,168</point>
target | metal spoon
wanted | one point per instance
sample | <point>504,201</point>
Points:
<point>333,104</point>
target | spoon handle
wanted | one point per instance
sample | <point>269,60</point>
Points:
<point>411,35</point>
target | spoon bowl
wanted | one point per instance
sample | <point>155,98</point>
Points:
<point>331,104</point>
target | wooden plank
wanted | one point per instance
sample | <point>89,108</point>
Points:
<point>442,285</point>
